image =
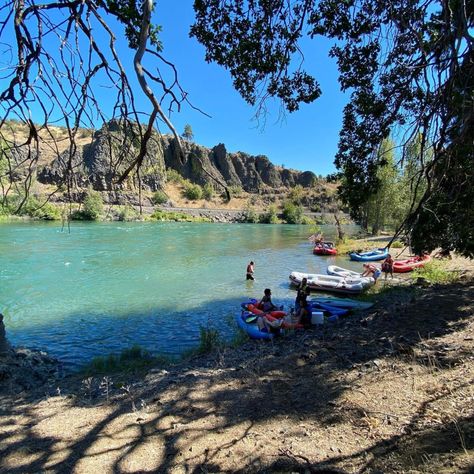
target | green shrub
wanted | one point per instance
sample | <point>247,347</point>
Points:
<point>269,217</point>
<point>128,213</point>
<point>93,205</point>
<point>172,176</point>
<point>397,244</point>
<point>296,194</point>
<point>160,215</point>
<point>235,190</point>
<point>306,220</point>
<point>207,191</point>
<point>193,192</point>
<point>209,340</point>
<point>435,273</point>
<point>129,360</point>
<point>292,213</point>
<point>158,198</point>
<point>251,216</point>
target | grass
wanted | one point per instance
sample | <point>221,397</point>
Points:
<point>132,360</point>
<point>138,360</point>
<point>435,273</point>
<point>350,245</point>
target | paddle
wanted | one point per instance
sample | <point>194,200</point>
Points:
<point>251,319</point>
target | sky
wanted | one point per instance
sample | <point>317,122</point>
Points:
<point>304,140</point>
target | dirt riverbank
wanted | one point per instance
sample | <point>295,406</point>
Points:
<point>387,390</point>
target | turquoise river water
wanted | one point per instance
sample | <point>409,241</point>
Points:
<point>104,287</point>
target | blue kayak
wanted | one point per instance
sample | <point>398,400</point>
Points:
<point>371,256</point>
<point>251,328</point>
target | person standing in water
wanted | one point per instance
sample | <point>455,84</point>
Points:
<point>250,271</point>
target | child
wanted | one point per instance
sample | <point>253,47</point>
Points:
<point>387,266</point>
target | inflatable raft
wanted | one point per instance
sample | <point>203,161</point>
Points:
<point>342,272</point>
<point>324,248</point>
<point>332,283</point>
<point>346,303</point>
<point>251,327</point>
<point>371,256</point>
<point>409,264</point>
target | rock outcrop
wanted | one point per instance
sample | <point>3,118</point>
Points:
<point>99,165</point>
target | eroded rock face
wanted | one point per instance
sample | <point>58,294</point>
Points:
<point>99,164</point>
<point>113,148</point>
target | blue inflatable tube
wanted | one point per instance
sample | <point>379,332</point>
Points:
<point>329,308</point>
<point>251,329</point>
<point>371,256</point>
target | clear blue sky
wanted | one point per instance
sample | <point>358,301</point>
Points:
<point>304,140</point>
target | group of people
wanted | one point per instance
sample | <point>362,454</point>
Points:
<point>371,270</point>
<point>299,316</point>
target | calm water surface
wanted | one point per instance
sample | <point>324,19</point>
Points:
<point>104,287</point>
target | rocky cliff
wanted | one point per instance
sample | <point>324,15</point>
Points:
<point>100,163</point>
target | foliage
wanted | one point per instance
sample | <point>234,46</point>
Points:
<point>434,272</point>
<point>235,190</point>
<point>188,133</point>
<point>292,213</point>
<point>296,194</point>
<point>127,213</point>
<point>251,216</point>
<point>134,359</point>
<point>159,197</point>
<point>93,205</point>
<point>209,340</point>
<point>207,191</point>
<point>408,67</point>
<point>380,205</point>
<point>269,217</point>
<point>173,176</point>
<point>193,191</point>
<point>160,215</point>
<point>306,220</point>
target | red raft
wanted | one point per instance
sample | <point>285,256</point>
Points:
<point>404,266</point>
<point>324,248</point>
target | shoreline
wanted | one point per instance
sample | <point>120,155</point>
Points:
<point>365,393</point>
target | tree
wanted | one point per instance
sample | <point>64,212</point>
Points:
<point>410,69</point>
<point>188,133</point>
<point>381,206</point>
<point>59,60</point>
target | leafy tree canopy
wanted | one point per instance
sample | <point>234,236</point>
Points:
<point>409,66</point>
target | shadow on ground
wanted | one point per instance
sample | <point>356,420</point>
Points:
<point>218,413</point>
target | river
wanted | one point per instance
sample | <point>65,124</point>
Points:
<point>104,287</point>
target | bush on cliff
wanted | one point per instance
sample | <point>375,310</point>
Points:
<point>159,197</point>
<point>207,191</point>
<point>193,192</point>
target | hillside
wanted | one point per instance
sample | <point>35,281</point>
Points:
<point>102,156</point>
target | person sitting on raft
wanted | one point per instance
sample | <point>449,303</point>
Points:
<point>266,303</point>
